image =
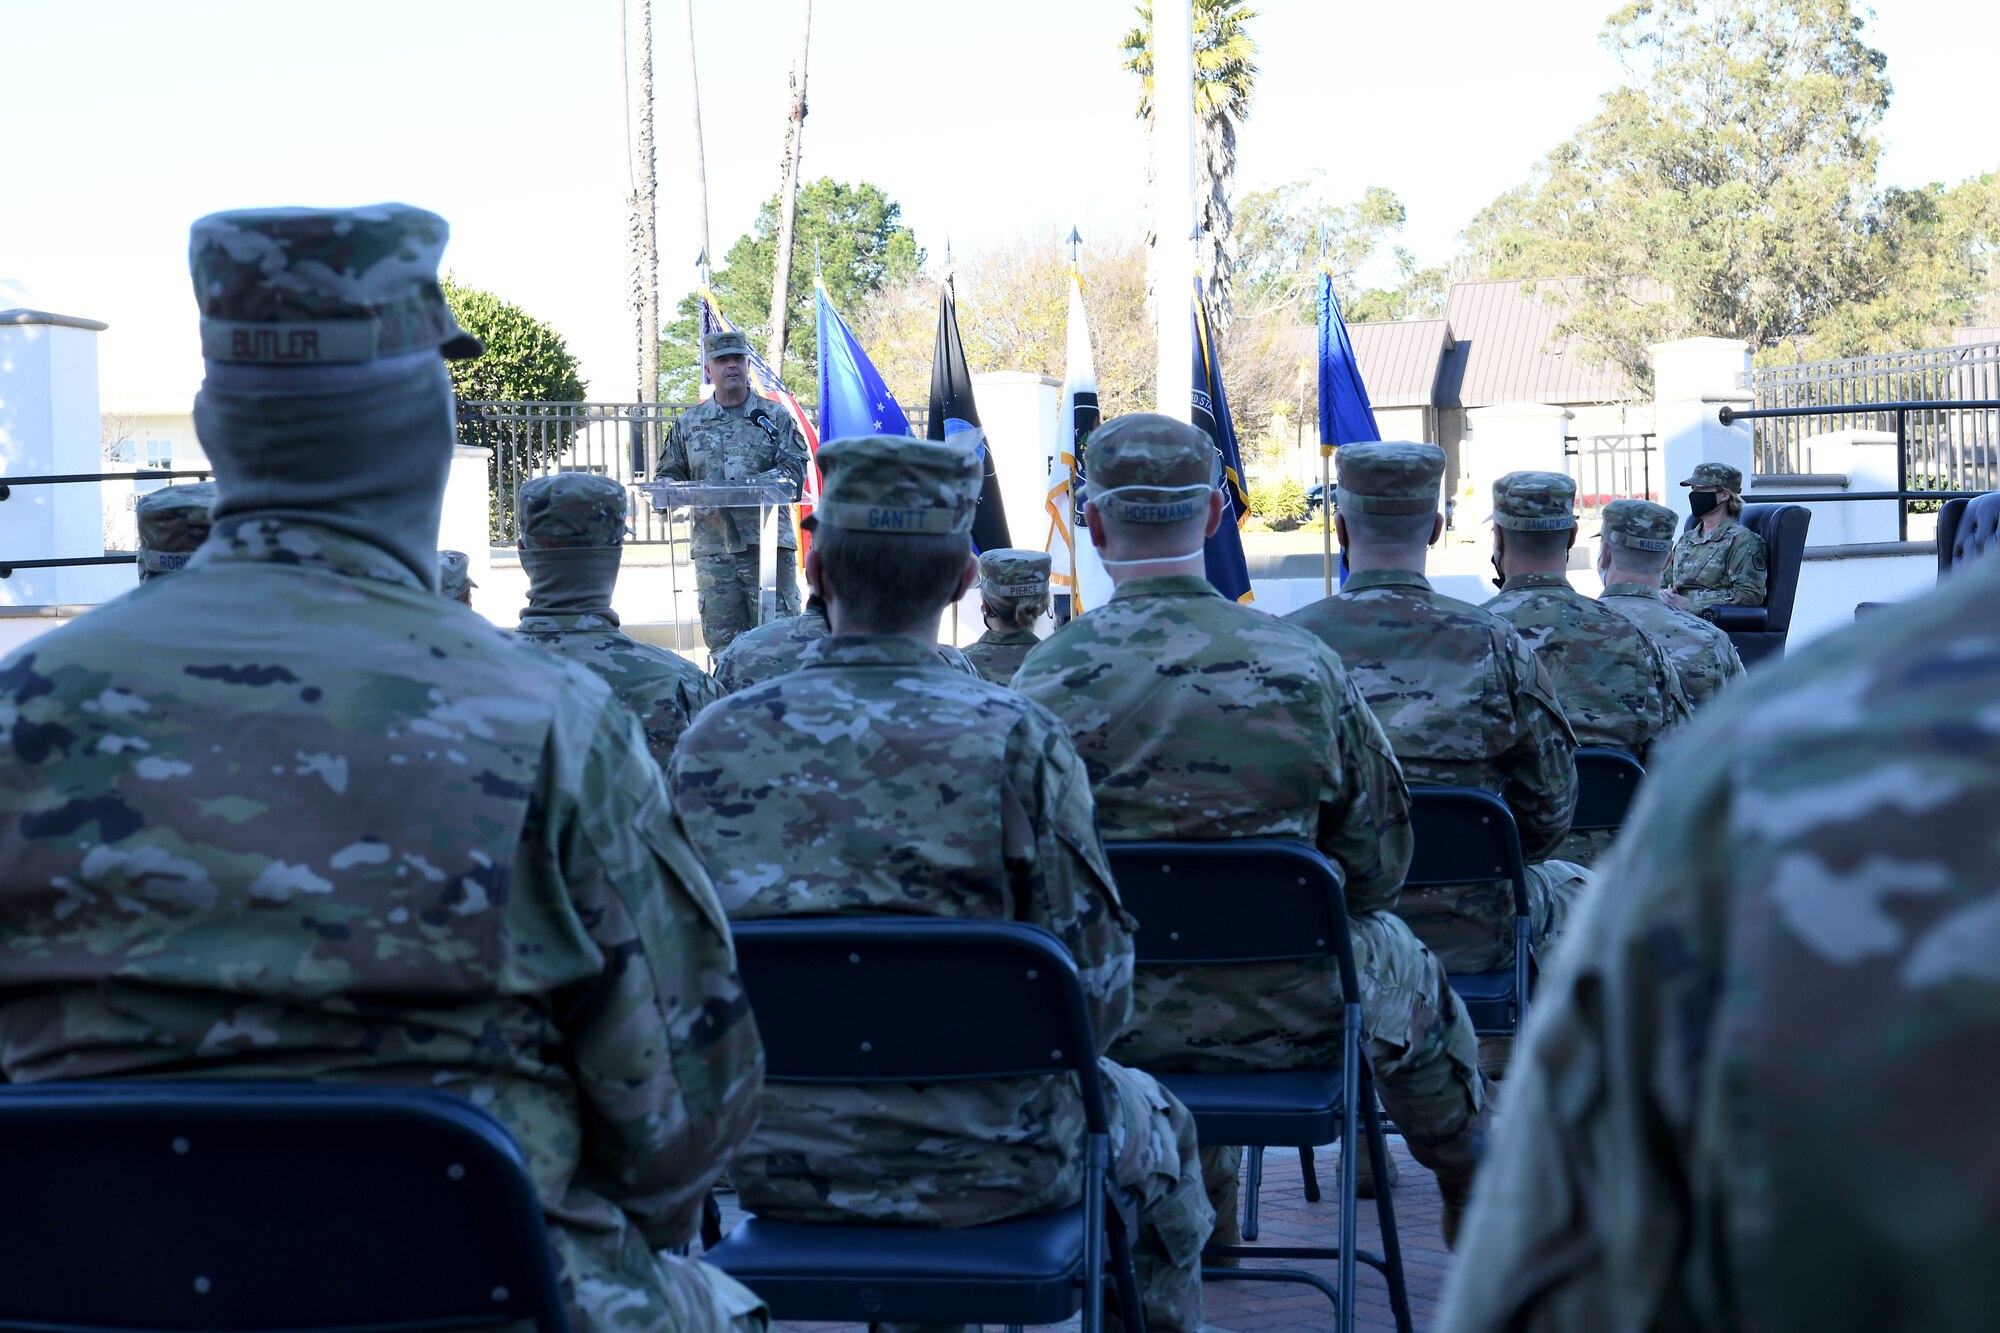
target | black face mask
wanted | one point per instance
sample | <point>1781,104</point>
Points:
<point>1499,574</point>
<point>1701,502</point>
<point>1344,570</point>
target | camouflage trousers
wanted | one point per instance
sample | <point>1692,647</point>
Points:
<point>1587,849</point>
<point>1470,927</point>
<point>727,588</point>
<point>1153,1155</point>
<point>1418,1039</point>
<point>614,1284</point>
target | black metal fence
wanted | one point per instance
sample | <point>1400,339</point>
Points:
<point>617,440</point>
<point>7,485</point>
<point>1911,488</point>
<point>1939,400</point>
<point>1611,467</point>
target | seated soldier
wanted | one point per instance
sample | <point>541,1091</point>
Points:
<point>455,577</point>
<point>876,780</point>
<point>778,648</point>
<point>1717,562</point>
<point>1202,719</point>
<point>1464,701</point>
<point>1631,553</point>
<point>288,815</point>
<point>173,523</point>
<point>1757,1092</point>
<point>572,539</point>
<point>1013,594</point>
<point>1618,687</point>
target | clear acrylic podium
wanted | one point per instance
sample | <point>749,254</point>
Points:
<point>679,502</point>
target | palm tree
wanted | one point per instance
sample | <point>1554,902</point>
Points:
<point>1225,79</point>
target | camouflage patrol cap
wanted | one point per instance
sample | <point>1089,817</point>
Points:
<point>1011,572</point>
<point>1716,474</point>
<point>173,523</point>
<point>1162,465</point>
<point>726,342</point>
<point>1534,502</point>
<point>570,509</point>
<point>1640,525</point>
<point>1389,477</point>
<point>455,576</point>
<point>322,286</point>
<point>897,484</point>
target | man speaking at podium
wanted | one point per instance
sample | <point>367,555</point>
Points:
<point>736,438</point>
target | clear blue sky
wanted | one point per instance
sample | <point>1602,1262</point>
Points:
<point>124,120</point>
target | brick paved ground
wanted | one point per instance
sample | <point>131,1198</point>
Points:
<point>1287,1219</point>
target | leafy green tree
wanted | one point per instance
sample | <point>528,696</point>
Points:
<point>1225,82</point>
<point>1278,236</point>
<point>525,361</point>
<point>863,248</point>
<point>1726,187</point>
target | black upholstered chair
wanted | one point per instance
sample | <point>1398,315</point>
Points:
<point>1967,529</point>
<point>1759,631</point>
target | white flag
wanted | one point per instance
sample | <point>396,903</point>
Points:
<point>1074,563</point>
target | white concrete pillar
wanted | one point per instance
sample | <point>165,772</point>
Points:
<point>1515,437</point>
<point>49,425</point>
<point>1852,460</point>
<point>1693,380</point>
<point>466,524</point>
<point>1019,411</point>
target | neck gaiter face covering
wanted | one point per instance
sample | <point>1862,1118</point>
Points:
<point>364,450</point>
<point>571,580</point>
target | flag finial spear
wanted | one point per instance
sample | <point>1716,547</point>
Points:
<point>1075,244</point>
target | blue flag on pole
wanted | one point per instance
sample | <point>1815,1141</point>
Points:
<point>1345,415</point>
<point>1225,565</point>
<point>853,400</point>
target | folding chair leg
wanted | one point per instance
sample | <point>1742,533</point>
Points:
<point>1311,1175</point>
<point>711,1222</point>
<point>1385,1211</point>
<point>1122,1219</point>
<point>1253,1182</point>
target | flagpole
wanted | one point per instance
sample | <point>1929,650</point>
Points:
<point>1173,200</point>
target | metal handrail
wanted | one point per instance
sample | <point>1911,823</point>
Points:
<point>1902,494</point>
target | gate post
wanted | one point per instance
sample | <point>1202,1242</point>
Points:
<point>50,425</point>
<point>1693,380</point>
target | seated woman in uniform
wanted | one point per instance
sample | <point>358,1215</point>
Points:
<point>1717,561</point>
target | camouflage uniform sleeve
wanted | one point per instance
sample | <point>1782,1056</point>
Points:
<point>1672,693</point>
<point>1746,574</point>
<point>1049,820</point>
<point>791,458</point>
<point>673,453</point>
<point>666,1054</point>
<point>1581,1218</point>
<point>1364,822</point>
<point>1538,770</point>
<point>698,692</point>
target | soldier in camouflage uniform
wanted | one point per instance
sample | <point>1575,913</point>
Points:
<point>288,815</point>
<point>1618,686</point>
<point>1757,1093</point>
<point>1201,719</point>
<point>1464,701</point>
<point>1717,562</point>
<point>874,780</point>
<point>455,577</point>
<point>780,648</point>
<point>1632,550</point>
<point>735,438</point>
<point>572,537</point>
<point>1014,592</point>
<point>173,523</point>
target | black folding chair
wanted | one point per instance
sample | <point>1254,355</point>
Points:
<point>1259,900</point>
<point>1467,836</point>
<point>1607,782</point>
<point>180,1206</point>
<point>858,1000</point>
